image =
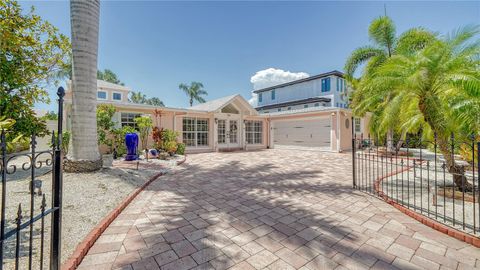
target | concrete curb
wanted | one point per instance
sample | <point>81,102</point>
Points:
<point>82,249</point>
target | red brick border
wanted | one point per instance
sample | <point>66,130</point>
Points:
<point>462,236</point>
<point>82,249</point>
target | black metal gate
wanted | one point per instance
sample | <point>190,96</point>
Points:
<point>418,177</point>
<point>23,241</point>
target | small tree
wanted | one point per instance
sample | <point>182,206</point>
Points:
<point>31,52</point>
<point>144,124</point>
<point>105,124</point>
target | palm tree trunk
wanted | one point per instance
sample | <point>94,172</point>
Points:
<point>191,101</point>
<point>401,140</point>
<point>457,171</point>
<point>84,154</point>
<point>390,144</point>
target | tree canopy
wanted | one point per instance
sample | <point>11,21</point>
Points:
<point>140,98</point>
<point>108,76</point>
<point>194,92</point>
<point>385,44</point>
<point>32,51</point>
<point>435,90</point>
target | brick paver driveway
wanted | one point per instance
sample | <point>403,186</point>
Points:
<point>272,209</point>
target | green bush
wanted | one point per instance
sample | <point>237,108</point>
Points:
<point>119,139</point>
<point>105,125</point>
<point>65,141</point>
<point>169,135</point>
<point>181,149</point>
<point>19,145</point>
<point>169,138</point>
<point>144,124</point>
<point>170,147</point>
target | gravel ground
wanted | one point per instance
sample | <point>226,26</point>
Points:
<point>87,199</point>
<point>418,186</point>
<point>419,192</point>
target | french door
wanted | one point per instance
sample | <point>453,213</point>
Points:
<point>228,133</point>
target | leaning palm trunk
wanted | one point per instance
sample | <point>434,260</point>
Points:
<point>400,140</point>
<point>457,171</point>
<point>84,154</point>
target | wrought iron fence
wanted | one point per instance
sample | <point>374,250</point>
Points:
<point>24,228</point>
<point>419,177</point>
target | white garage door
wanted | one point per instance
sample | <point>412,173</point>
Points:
<point>302,132</point>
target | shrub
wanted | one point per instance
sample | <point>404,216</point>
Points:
<point>169,138</point>
<point>170,147</point>
<point>119,139</point>
<point>181,149</point>
<point>18,145</point>
<point>144,124</point>
<point>105,124</point>
<point>65,141</point>
<point>157,137</point>
<point>169,135</point>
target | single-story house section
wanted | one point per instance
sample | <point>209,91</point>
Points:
<point>223,124</point>
<point>231,123</point>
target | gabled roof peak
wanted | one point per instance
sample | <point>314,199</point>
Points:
<point>218,104</point>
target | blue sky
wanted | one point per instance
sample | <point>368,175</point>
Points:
<point>155,45</point>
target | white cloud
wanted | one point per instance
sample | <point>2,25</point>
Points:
<point>253,100</point>
<point>272,76</point>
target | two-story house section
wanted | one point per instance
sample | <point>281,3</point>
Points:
<point>323,90</point>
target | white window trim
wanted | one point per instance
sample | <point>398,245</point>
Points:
<point>106,95</point>
<point>355,125</point>
<point>254,132</point>
<point>133,122</point>
<point>196,146</point>
<point>121,96</point>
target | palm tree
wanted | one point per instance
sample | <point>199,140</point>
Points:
<point>385,45</point>
<point>194,91</point>
<point>437,86</point>
<point>84,154</point>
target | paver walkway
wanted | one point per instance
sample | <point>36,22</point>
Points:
<point>272,209</point>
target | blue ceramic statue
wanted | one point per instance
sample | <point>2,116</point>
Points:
<point>131,140</point>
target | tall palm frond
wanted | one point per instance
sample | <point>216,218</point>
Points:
<point>382,32</point>
<point>437,87</point>
<point>194,91</point>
